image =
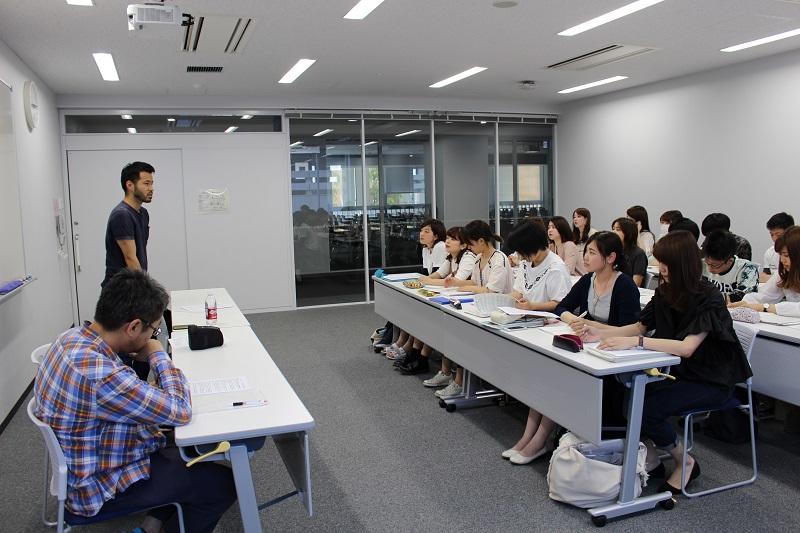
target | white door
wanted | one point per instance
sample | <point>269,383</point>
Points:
<point>94,184</point>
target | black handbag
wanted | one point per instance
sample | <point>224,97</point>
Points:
<point>203,337</point>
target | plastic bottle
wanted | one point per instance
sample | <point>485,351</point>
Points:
<point>211,310</point>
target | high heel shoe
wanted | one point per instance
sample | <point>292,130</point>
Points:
<point>694,474</point>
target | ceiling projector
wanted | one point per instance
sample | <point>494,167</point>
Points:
<point>141,15</point>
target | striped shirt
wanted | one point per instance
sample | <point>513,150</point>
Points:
<point>105,418</point>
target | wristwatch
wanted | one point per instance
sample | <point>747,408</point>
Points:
<point>766,308</point>
<point>641,341</point>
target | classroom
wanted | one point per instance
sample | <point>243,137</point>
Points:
<point>384,265</point>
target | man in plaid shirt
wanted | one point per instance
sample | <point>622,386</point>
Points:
<point>106,419</point>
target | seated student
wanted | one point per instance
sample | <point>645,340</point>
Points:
<point>107,420</point>
<point>608,296</point>
<point>781,294</point>
<point>513,258</point>
<point>581,231</point>
<point>777,224</point>
<point>688,318</point>
<point>634,256</point>
<point>492,271</point>
<point>646,239</point>
<point>686,224</point>
<point>716,221</point>
<point>561,243</point>
<point>459,265</point>
<point>667,218</point>
<point>432,235</point>
<point>540,283</point>
<point>733,276</point>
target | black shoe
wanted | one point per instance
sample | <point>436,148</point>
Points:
<point>658,472</point>
<point>692,476</point>
<point>410,357</point>
<point>418,366</point>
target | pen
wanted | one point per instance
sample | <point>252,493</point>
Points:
<point>583,314</point>
<point>252,403</point>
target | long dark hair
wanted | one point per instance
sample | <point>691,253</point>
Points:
<point>790,279</point>
<point>478,229</point>
<point>562,227</point>
<point>639,214</point>
<point>608,242</point>
<point>679,252</point>
<point>457,233</point>
<point>579,237</point>
<point>628,227</point>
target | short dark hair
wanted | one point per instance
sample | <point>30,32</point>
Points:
<point>479,229</point>
<point>686,224</point>
<point>679,252</point>
<point>629,230</point>
<point>639,214</point>
<point>437,227</point>
<point>715,221</point>
<point>528,238</point>
<point>128,295</point>
<point>671,216</point>
<point>132,172</point>
<point>780,220</point>
<point>719,245</point>
<point>608,242</point>
<point>457,233</point>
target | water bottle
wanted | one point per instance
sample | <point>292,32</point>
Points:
<point>211,310</point>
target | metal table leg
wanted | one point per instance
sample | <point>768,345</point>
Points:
<point>472,396</point>
<point>245,492</point>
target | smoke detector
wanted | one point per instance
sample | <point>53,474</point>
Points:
<point>527,85</point>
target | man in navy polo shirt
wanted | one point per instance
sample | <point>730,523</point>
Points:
<point>129,223</point>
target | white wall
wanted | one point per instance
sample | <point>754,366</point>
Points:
<point>720,141</point>
<point>42,310</point>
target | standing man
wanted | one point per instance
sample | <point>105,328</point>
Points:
<point>129,223</point>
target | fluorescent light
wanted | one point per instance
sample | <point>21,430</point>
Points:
<point>105,63</point>
<point>626,10</point>
<point>170,119</point>
<point>131,130</point>
<point>483,122</point>
<point>352,120</point>
<point>764,40</point>
<point>362,9</point>
<point>458,77</point>
<point>231,129</point>
<point>593,84</point>
<point>298,69</point>
<point>84,3</point>
<point>407,133</point>
<point>247,117</point>
<point>298,143</point>
<point>323,132</point>
<point>126,117</point>
<point>370,143</point>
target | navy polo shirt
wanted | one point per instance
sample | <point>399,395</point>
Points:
<point>125,223</point>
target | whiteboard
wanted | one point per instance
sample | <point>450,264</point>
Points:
<point>12,258</point>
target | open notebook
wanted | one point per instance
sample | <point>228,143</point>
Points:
<point>779,320</point>
<point>618,356</point>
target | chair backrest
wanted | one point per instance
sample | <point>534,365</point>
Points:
<point>747,337</point>
<point>58,463</point>
<point>38,354</point>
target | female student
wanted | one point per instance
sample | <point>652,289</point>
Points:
<point>688,318</point>
<point>432,235</point>
<point>646,239</point>
<point>459,265</point>
<point>581,231</point>
<point>634,256</point>
<point>492,270</point>
<point>781,294</point>
<point>609,297</point>
<point>541,281</point>
<point>561,243</point>
<point>667,218</point>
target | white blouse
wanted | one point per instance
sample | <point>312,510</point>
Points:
<point>787,301</point>
<point>549,280</point>
<point>459,270</point>
<point>433,259</point>
<point>496,275</point>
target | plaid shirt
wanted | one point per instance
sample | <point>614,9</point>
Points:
<point>104,417</point>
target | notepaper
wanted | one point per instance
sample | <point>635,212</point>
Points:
<point>218,386</point>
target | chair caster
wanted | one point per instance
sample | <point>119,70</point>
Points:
<point>450,408</point>
<point>442,404</point>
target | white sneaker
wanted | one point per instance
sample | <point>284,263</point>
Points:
<point>398,353</point>
<point>439,380</point>
<point>454,389</point>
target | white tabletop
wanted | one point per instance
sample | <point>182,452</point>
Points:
<point>785,333</point>
<point>188,307</point>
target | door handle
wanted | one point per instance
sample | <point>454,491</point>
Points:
<point>77,253</point>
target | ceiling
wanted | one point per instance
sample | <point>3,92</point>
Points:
<point>396,52</point>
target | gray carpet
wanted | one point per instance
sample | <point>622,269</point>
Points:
<point>385,457</point>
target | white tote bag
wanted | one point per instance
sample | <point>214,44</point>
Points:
<point>588,475</point>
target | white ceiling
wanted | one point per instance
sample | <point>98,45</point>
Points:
<point>396,52</point>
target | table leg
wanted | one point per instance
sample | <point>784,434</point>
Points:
<point>245,492</point>
<point>293,448</point>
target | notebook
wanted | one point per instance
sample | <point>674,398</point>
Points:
<point>400,277</point>
<point>619,356</point>
<point>778,320</point>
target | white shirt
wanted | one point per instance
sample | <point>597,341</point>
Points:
<point>646,241</point>
<point>459,270</point>
<point>496,275</point>
<point>771,260</point>
<point>787,302</point>
<point>434,258</point>
<point>549,280</point>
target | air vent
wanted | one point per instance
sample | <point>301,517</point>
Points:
<point>603,56</point>
<point>203,69</point>
<point>217,34</point>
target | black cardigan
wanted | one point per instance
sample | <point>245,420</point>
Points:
<point>625,306</point>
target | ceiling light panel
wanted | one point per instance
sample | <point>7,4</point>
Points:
<point>323,132</point>
<point>407,133</point>
<point>297,70</point>
<point>362,9</point>
<point>763,40</point>
<point>623,11</point>
<point>105,64</point>
<point>231,129</point>
<point>458,77</point>
<point>82,3</point>
<point>593,84</point>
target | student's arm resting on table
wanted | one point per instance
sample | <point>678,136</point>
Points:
<point>627,337</point>
<point>769,294</point>
<point>123,397</point>
<point>128,247</point>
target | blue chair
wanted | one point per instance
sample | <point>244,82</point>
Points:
<point>746,334</point>
<point>58,484</point>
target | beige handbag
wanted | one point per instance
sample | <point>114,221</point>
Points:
<point>589,475</point>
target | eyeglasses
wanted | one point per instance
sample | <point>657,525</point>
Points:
<point>156,330</point>
<point>716,264</point>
